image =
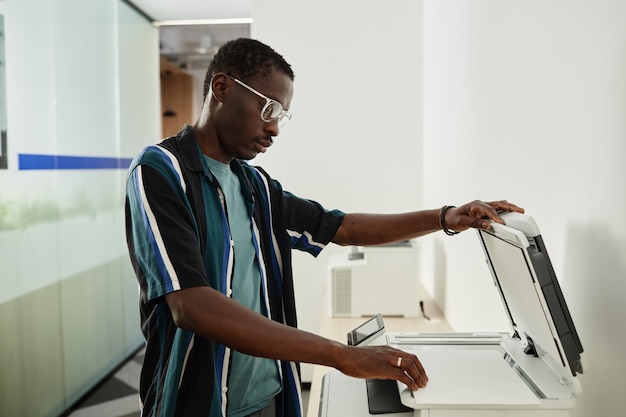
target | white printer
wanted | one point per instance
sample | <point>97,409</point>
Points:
<point>531,371</point>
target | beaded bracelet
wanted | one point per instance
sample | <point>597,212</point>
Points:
<point>442,221</point>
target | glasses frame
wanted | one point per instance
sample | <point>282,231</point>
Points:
<point>283,117</point>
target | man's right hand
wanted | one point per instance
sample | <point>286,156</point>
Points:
<point>384,362</point>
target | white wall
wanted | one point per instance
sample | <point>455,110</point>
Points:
<point>522,100</point>
<point>527,101</point>
<point>355,135</point>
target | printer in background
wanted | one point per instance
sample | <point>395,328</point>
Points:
<point>375,279</point>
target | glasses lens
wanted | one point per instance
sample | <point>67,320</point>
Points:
<point>271,110</point>
<point>282,120</point>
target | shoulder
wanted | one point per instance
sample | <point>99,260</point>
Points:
<point>173,152</point>
<point>157,163</point>
<point>158,157</point>
<point>259,178</point>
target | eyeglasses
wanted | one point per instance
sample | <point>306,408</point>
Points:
<point>272,110</point>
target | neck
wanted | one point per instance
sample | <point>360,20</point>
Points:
<point>206,135</point>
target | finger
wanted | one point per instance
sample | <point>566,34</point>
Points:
<point>492,212</point>
<point>413,372</point>
<point>404,377</point>
<point>504,205</point>
<point>481,213</point>
<point>420,369</point>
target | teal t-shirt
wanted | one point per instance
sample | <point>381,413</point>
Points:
<point>253,381</point>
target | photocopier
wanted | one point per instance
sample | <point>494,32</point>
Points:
<point>530,371</point>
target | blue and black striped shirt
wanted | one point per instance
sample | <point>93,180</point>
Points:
<point>178,237</point>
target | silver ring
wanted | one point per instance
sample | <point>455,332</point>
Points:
<point>399,361</point>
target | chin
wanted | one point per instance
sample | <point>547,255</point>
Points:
<point>247,157</point>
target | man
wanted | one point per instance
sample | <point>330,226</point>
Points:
<point>210,239</point>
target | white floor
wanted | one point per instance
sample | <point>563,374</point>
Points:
<point>117,396</point>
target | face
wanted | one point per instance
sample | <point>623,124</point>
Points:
<point>241,131</point>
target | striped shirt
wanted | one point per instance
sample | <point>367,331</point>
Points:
<point>178,237</point>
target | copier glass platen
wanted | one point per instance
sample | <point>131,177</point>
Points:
<point>531,371</point>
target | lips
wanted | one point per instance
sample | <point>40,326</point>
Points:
<point>263,144</point>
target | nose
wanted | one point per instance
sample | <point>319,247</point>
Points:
<point>271,128</point>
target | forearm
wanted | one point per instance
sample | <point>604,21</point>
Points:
<point>378,229</point>
<point>210,314</point>
<point>214,316</point>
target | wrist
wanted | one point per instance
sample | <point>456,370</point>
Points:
<point>442,221</point>
<point>338,354</point>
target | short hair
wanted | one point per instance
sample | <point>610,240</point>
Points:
<point>246,58</point>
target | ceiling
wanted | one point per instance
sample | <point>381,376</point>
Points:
<point>163,10</point>
<point>185,42</point>
<point>192,47</point>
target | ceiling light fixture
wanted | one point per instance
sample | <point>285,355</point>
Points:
<point>188,22</point>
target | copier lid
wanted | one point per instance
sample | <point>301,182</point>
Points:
<point>530,292</point>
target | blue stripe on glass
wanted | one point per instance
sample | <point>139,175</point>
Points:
<point>45,162</point>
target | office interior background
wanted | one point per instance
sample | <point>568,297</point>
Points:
<point>398,106</point>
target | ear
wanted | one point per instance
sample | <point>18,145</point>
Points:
<point>219,86</point>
